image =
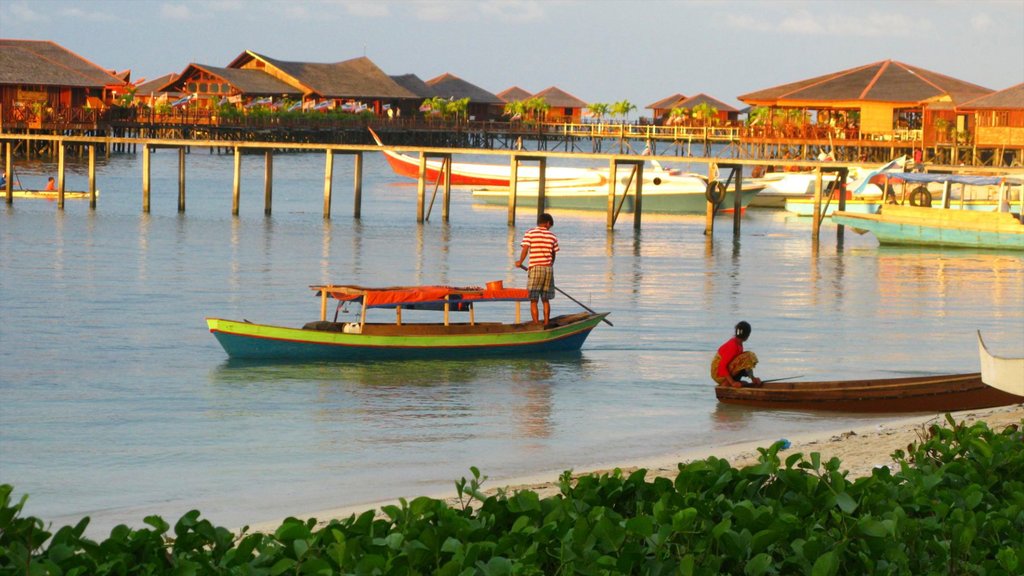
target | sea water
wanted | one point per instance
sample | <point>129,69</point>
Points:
<point>117,403</point>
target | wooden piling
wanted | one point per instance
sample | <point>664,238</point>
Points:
<point>236,189</point>
<point>60,175</point>
<point>357,186</point>
<point>737,198</point>
<point>145,178</point>
<point>181,179</point>
<point>613,176</point>
<point>816,225</point>
<point>513,188</point>
<point>446,167</point>
<point>8,173</point>
<point>421,189</point>
<point>638,205</point>
<point>268,181</point>
<point>92,176</point>
<point>328,181</point>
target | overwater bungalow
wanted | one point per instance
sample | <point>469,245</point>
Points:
<point>998,120</point>
<point>514,94</point>
<point>483,105</point>
<point>564,107</point>
<point>722,113</point>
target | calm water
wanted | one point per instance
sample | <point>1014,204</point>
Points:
<point>118,403</point>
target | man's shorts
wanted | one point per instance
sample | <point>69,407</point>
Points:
<point>541,282</point>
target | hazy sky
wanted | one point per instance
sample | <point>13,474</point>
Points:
<point>599,51</point>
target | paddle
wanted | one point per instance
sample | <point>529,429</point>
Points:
<point>781,379</point>
<point>581,304</point>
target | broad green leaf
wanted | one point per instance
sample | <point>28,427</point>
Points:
<point>846,502</point>
<point>826,565</point>
<point>758,565</point>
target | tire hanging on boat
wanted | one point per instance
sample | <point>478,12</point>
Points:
<point>921,197</point>
<point>715,192</point>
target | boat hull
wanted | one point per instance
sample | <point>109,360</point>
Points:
<point>908,225</point>
<point>917,394</point>
<point>1006,374</point>
<point>410,341</point>
<point>48,194</point>
<point>655,201</point>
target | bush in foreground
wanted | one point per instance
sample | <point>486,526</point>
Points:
<point>955,505</point>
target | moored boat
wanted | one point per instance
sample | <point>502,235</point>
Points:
<point>48,194</point>
<point>944,393</point>
<point>398,339</point>
<point>914,225</point>
<point>1004,373</point>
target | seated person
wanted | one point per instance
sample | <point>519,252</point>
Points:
<point>732,363</point>
<point>50,185</point>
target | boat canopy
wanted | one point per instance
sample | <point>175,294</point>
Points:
<point>421,297</point>
<point>970,180</point>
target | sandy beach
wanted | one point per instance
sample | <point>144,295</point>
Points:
<point>860,450</point>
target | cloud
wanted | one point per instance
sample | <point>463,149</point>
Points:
<point>515,10</point>
<point>798,23</point>
<point>88,15</point>
<point>175,12</point>
<point>368,9</point>
<point>982,22</point>
<point>21,12</point>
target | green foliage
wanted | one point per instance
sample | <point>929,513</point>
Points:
<point>954,505</point>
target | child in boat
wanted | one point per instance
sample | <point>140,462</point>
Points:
<point>541,245</point>
<point>50,185</point>
<point>732,363</point>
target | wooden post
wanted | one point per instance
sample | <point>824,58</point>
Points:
<point>8,175</point>
<point>181,179</point>
<point>737,201</point>
<point>446,165</point>
<point>542,169</point>
<point>60,175</point>
<point>513,187</point>
<point>357,186</point>
<point>268,181</point>
<point>638,205</point>
<point>328,181</point>
<point>92,176</point>
<point>816,225</point>
<point>236,190</point>
<point>421,188</point>
<point>145,177</point>
<point>613,176</point>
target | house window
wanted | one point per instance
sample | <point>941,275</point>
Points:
<point>204,87</point>
<point>192,87</point>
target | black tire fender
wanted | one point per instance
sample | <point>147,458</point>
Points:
<point>921,197</point>
<point>715,192</point>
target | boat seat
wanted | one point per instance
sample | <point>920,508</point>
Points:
<point>324,326</point>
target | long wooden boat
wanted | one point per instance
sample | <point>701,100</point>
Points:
<point>944,393</point>
<point>913,225</point>
<point>474,174</point>
<point>1006,374</point>
<point>398,339</point>
<point>48,194</point>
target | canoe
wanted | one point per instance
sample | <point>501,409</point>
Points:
<point>48,194</point>
<point>918,226</point>
<point>1004,373</point>
<point>402,339</point>
<point>945,393</point>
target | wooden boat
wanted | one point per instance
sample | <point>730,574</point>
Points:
<point>48,194</point>
<point>675,194</point>
<point>945,393</point>
<point>914,225</point>
<point>1006,374</point>
<point>473,174</point>
<point>363,340</point>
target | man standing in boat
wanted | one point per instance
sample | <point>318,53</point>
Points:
<point>732,363</point>
<point>541,245</point>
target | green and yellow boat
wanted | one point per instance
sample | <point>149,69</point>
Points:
<point>399,339</point>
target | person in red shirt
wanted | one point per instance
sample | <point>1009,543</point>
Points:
<point>50,186</point>
<point>541,245</point>
<point>732,363</point>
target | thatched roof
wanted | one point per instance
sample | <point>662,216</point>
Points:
<point>156,85</point>
<point>44,63</point>
<point>1011,98</point>
<point>885,81</point>
<point>414,84</point>
<point>514,94</point>
<point>355,78</point>
<point>560,98</point>
<point>247,81</point>
<point>694,101</point>
<point>666,102</point>
<point>451,86</point>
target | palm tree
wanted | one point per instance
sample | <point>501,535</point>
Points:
<point>678,115</point>
<point>622,108</point>
<point>537,107</point>
<point>457,108</point>
<point>515,110</point>
<point>705,112</point>
<point>598,109</point>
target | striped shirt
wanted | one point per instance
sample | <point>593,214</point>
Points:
<point>542,244</point>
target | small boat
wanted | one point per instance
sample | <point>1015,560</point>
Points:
<point>48,194</point>
<point>473,174</point>
<point>945,393</point>
<point>398,339</point>
<point>1006,374</point>
<point>662,193</point>
<point>914,225</point>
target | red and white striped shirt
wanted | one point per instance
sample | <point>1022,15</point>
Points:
<point>542,244</point>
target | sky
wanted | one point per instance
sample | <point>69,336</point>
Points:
<point>597,50</point>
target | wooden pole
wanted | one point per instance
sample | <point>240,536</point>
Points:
<point>236,189</point>
<point>542,170</point>
<point>446,207</point>
<point>328,181</point>
<point>613,167</point>
<point>145,178</point>
<point>268,181</point>
<point>181,179</point>
<point>357,186</point>
<point>513,187</point>
<point>92,176</point>
<point>638,205</point>
<point>737,200</point>
<point>8,173</point>
<point>816,225</point>
<point>421,188</point>
<point>60,175</point>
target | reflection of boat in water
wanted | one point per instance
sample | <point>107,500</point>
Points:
<point>473,174</point>
<point>916,394</point>
<point>1004,373</point>
<point>48,194</point>
<point>401,339</point>
<point>662,192</point>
